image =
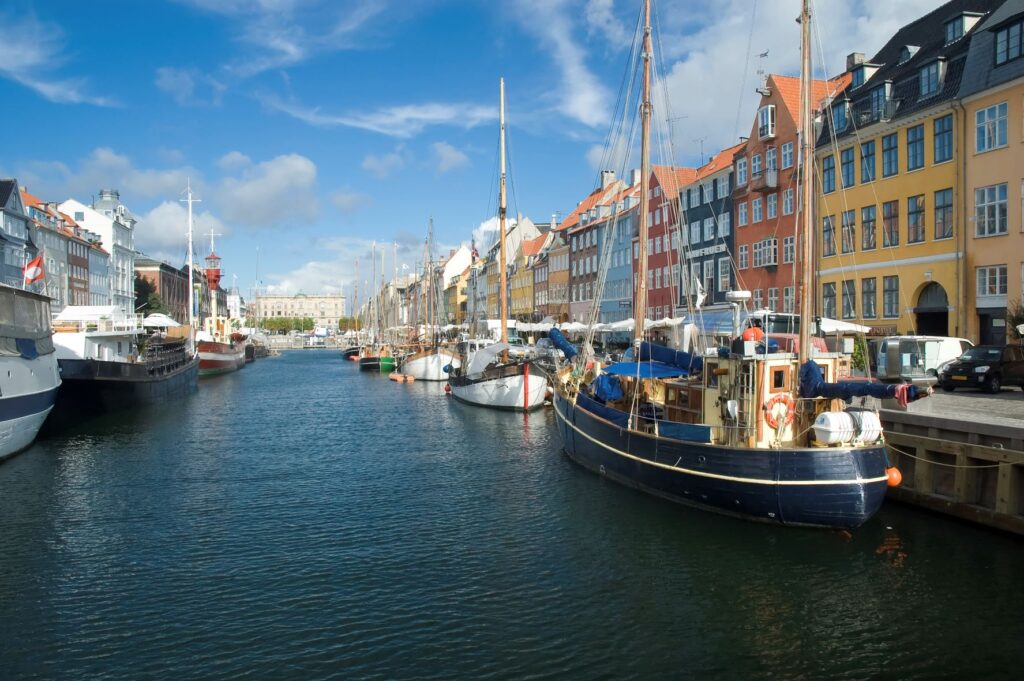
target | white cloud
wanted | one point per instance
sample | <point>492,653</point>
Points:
<point>105,168</point>
<point>448,157</point>
<point>278,192</point>
<point>602,22</point>
<point>29,52</point>
<point>189,86</point>
<point>384,164</point>
<point>233,160</point>
<point>164,229</point>
<point>396,121</point>
<point>580,94</point>
<point>708,59</point>
<point>282,33</point>
<point>348,201</point>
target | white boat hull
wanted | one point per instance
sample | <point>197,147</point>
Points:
<point>430,367</point>
<point>518,393</point>
<point>29,390</point>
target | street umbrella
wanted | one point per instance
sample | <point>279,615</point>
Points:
<point>159,320</point>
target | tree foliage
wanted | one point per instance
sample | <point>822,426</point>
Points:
<point>1015,317</point>
<point>144,290</point>
<point>285,324</point>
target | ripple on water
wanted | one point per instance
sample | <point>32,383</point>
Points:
<point>303,519</point>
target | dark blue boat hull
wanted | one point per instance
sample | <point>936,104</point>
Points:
<point>817,487</point>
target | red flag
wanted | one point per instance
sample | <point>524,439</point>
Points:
<point>34,270</point>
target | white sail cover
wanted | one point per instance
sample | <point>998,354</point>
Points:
<point>484,356</point>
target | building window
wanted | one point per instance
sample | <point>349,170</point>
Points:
<point>944,214</point>
<point>867,161</point>
<point>879,96</point>
<point>868,297</point>
<point>741,218</point>
<point>724,283</point>
<point>929,78</point>
<point>849,231</point>
<point>891,223</point>
<point>758,299</point>
<point>709,276</point>
<point>890,297</point>
<point>943,138</point>
<point>990,128</point>
<point>771,159</point>
<point>756,209</point>
<point>915,219</point>
<point>857,77</point>
<point>867,226</point>
<point>828,296</point>
<point>1009,44</point>
<point>915,147</point>
<point>788,302</point>
<point>787,202</point>
<point>990,210</point>
<point>773,299</point>
<point>741,171</point>
<point>849,299</point>
<point>773,206</point>
<point>709,229</point>
<point>839,116</point>
<point>694,233</point>
<point>992,280</point>
<point>788,249</point>
<point>724,224</point>
<point>828,229</point>
<point>787,155</point>
<point>846,159</point>
<point>721,188</point>
<point>890,155</point>
<point>766,121</point>
<point>744,262</point>
<point>954,30</point>
<point>828,174</point>
<point>755,165</point>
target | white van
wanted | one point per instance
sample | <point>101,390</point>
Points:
<point>909,357</point>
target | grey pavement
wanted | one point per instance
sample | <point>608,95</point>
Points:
<point>1005,408</point>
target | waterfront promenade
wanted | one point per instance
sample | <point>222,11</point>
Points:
<point>302,519</point>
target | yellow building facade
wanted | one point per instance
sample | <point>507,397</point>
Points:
<point>887,229</point>
<point>521,303</point>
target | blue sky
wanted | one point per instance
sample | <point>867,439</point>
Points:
<point>310,128</point>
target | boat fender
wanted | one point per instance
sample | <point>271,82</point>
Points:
<point>447,389</point>
<point>769,409</point>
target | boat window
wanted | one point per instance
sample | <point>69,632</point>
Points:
<point>780,376</point>
<point>711,373</point>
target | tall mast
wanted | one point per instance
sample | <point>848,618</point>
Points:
<point>191,282</point>
<point>355,309</point>
<point>373,282</point>
<point>806,184</point>
<point>502,209</point>
<point>431,312</point>
<point>640,304</point>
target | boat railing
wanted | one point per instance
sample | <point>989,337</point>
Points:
<point>126,324</point>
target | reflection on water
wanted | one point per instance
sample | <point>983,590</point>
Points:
<point>300,518</point>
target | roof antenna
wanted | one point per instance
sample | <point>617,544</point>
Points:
<point>764,90</point>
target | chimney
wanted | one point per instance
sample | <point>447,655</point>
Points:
<point>854,59</point>
<point>634,177</point>
<point>607,178</point>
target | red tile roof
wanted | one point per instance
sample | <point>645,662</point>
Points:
<point>788,88</point>
<point>719,161</point>
<point>671,179</point>
<point>596,196</point>
<point>533,246</point>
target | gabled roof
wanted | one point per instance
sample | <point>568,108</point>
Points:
<point>719,161</point>
<point>7,187</point>
<point>671,179</point>
<point>788,88</point>
<point>586,204</point>
<point>30,200</point>
<point>533,246</point>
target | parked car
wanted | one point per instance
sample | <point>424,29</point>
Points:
<point>908,357</point>
<point>988,367</point>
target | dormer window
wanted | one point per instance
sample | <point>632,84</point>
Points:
<point>1009,43</point>
<point>839,116</point>
<point>858,77</point>
<point>879,96</point>
<point>766,122</point>
<point>931,78</point>
<point>907,52</point>
<point>954,30</point>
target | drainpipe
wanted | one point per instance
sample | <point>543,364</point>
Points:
<point>961,262</point>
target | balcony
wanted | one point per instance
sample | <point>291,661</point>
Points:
<point>765,181</point>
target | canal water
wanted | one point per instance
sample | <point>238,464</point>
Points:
<point>301,519</point>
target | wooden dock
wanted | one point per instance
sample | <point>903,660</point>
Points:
<point>960,464</point>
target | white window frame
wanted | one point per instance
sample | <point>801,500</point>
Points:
<point>741,218</point>
<point>744,259</point>
<point>990,128</point>
<point>724,276</point>
<point>787,155</point>
<point>990,218</point>
<point>787,202</point>
<point>773,206</point>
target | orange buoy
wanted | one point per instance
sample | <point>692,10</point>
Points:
<point>894,475</point>
<point>447,389</point>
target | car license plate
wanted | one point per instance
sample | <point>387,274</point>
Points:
<point>959,378</point>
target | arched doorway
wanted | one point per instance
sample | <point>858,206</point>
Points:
<point>932,311</point>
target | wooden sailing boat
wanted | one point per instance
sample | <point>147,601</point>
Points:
<point>489,379</point>
<point>376,356</point>
<point>748,433</point>
<point>432,360</point>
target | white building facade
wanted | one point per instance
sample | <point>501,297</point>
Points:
<point>115,225</point>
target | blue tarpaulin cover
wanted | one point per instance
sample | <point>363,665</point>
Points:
<point>644,370</point>
<point>27,347</point>
<point>812,384</point>
<point>683,360</point>
<point>619,418</point>
<point>562,344</point>
<point>607,388</point>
